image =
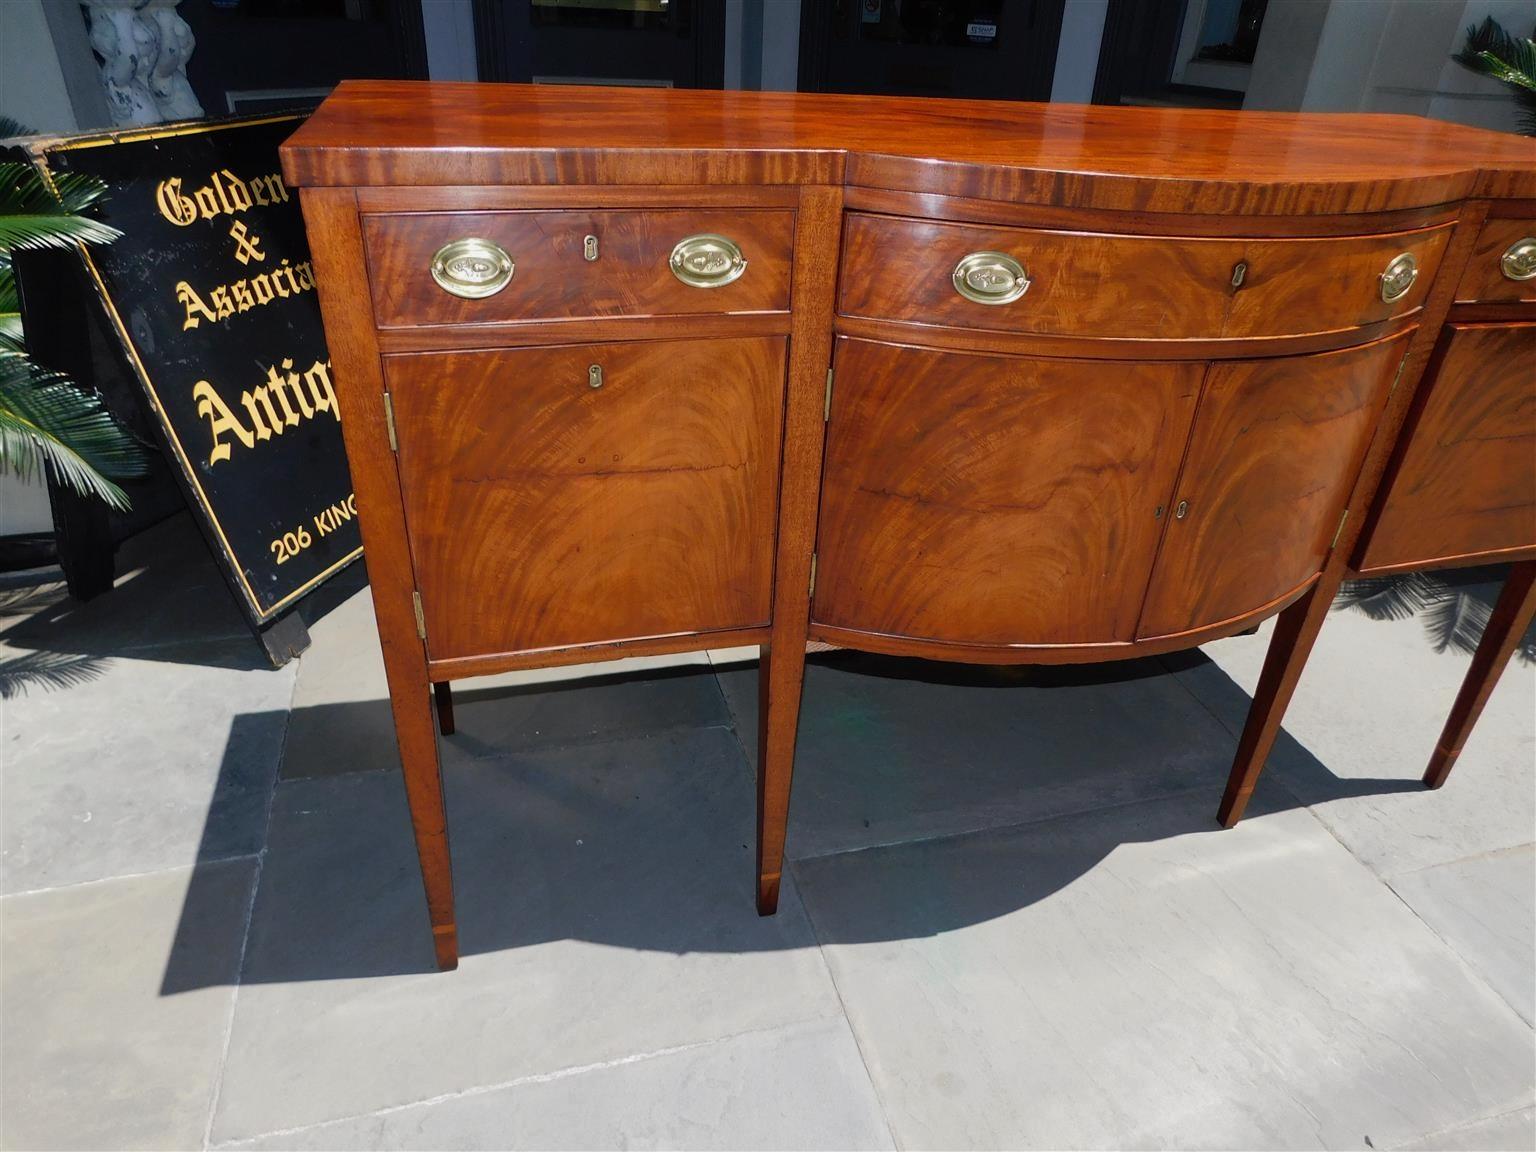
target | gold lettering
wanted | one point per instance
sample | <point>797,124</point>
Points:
<point>254,402</point>
<point>197,311</point>
<point>175,207</point>
<point>233,190</point>
<point>224,300</point>
<point>207,202</point>
<point>277,386</point>
<point>321,392</point>
<point>220,419</point>
<point>291,380</point>
<point>284,400</point>
<point>246,243</point>
<point>225,194</point>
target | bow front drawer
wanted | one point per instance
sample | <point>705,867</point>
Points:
<point>1502,267</point>
<point>1091,284</point>
<point>505,267</point>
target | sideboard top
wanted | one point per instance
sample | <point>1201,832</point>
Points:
<point>1150,159</point>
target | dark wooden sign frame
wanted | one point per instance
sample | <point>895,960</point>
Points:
<point>149,350</point>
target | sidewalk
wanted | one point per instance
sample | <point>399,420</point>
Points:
<point>1010,918</point>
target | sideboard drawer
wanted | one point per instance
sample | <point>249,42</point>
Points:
<point>565,265</point>
<point>1128,287</point>
<point>1502,267</point>
<point>1465,483</point>
<point>589,493</point>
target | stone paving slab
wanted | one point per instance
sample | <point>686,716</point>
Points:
<point>1363,722</point>
<point>1128,978</point>
<point>168,591</point>
<point>100,1048</point>
<point>894,749</point>
<point>1485,908</point>
<point>158,760</point>
<point>803,1086</point>
<point>342,722</point>
<point>1511,1132</point>
<point>605,909</point>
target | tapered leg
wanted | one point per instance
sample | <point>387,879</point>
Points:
<point>1506,626</point>
<point>442,692</point>
<point>414,731</point>
<point>1295,632</point>
<point>782,671</point>
<point>336,246</point>
<point>780,677</point>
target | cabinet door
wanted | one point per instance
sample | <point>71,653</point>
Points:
<point>1276,448</point>
<point>1464,481</point>
<point>550,506</point>
<point>995,500</point>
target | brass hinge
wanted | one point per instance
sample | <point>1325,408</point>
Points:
<point>1339,531</point>
<point>421,620</point>
<point>813,574</point>
<point>389,420</point>
<point>826,405</point>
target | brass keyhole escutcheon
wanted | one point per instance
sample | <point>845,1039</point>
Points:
<point>472,268</point>
<point>1398,277</point>
<point>589,249</point>
<point>990,278</point>
<point>1182,510</point>
<point>707,261</point>
<point>1519,260</point>
<point>1239,274</point>
<point>595,376</point>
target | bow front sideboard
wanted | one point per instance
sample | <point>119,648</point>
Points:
<point>640,371</point>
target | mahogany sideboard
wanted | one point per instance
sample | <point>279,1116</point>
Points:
<point>647,371</point>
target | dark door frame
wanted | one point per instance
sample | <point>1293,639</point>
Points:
<point>1041,20</point>
<point>504,41</point>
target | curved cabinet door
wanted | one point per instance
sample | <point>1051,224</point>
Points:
<point>1276,449</point>
<point>1464,481</point>
<point>995,500</point>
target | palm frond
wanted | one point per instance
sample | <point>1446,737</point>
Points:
<point>1511,60</point>
<point>44,418</point>
<point>1392,597</point>
<point>10,127</point>
<point>11,339</point>
<point>33,216</point>
<point>48,670</point>
<point>1456,623</point>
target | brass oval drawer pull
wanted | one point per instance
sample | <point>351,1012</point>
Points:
<point>707,261</point>
<point>472,268</point>
<point>1401,271</point>
<point>990,278</point>
<point>1519,260</point>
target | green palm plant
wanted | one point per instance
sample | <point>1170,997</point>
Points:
<point>1511,60</point>
<point>45,420</point>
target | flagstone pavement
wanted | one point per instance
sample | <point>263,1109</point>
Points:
<point>1010,920</point>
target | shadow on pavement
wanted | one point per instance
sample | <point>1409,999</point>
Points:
<point>646,841</point>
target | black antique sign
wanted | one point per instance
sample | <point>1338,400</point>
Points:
<point>212,294</point>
